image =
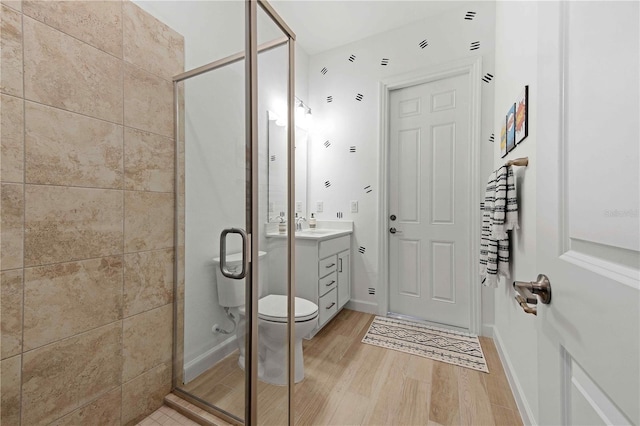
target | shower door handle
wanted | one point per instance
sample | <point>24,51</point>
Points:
<point>223,253</point>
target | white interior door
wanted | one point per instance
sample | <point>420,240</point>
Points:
<point>429,207</point>
<point>588,234</point>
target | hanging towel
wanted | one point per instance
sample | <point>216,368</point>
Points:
<point>499,208</point>
<point>505,216</point>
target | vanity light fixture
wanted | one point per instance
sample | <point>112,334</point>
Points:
<point>308,117</point>
<point>304,116</point>
<point>299,112</point>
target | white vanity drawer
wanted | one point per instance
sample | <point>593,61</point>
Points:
<point>334,245</point>
<point>327,266</point>
<point>328,306</point>
<point>327,283</point>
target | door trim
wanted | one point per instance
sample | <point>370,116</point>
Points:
<point>473,68</point>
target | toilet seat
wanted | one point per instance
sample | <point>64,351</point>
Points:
<point>273,308</point>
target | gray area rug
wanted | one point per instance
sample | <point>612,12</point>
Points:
<point>440,344</point>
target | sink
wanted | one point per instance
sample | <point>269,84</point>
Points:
<point>317,234</point>
<point>316,231</point>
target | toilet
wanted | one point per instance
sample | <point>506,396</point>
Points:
<point>272,322</point>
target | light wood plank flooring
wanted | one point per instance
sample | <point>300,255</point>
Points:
<point>350,383</point>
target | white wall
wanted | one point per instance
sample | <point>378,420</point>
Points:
<point>346,122</point>
<point>215,141</point>
<point>516,66</point>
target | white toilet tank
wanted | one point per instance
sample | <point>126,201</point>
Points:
<point>231,292</point>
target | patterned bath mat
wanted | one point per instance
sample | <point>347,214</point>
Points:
<point>444,345</point>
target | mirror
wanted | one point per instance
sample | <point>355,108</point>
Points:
<point>277,143</point>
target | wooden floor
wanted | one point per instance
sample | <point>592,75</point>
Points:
<point>350,383</point>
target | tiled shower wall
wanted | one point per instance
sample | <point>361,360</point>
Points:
<point>87,211</point>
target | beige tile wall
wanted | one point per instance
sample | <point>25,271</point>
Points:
<point>86,184</point>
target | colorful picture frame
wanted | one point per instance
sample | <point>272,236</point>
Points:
<point>503,139</point>
<point>522,115</point>
<point>511,128</point>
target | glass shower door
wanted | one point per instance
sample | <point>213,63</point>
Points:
<point>212,199</point>
<point>225,260</point>
<point>272,390</point>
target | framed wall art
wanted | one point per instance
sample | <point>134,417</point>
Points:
<point>522,115</point>
<point>511,128</point>
<point>503,139</point>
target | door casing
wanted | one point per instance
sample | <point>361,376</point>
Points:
<point>473,68</point>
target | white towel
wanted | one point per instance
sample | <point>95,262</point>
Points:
<point>505,215</point>
<point>499,214</point>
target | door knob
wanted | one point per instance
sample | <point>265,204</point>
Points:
<point>527,292</point>
<point>395,231</point>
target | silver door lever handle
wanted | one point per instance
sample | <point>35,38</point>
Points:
<point>395,231</point>
<point>527,292</point>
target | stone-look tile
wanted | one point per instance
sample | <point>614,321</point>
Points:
<point>148,221</point>
<point>148,280</point>
<point>64,224</point>
<point>64,148</point>
<point>11,222</point>
<point>150,44</point>
<point>147,341</point>
<point>65,299</point>
<point>149,161</point>
<point>63,72</point>
<point>15,4</point>
<point>11,139</point>
<point>10,391</point>
<point>11,314</point>
<point>64,376</point>
<point>10,51</point>
<point>104,411</point>
<point>144,394</point>
<point>148,102</point>
<point>98,23</point>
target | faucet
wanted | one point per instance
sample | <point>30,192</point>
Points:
<point>280,218</point>
<point>299,220</point>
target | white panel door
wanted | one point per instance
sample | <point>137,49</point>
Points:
<point>429,187</point>
<point>588,233</point>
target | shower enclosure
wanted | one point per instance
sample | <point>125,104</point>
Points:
<point>221,186</point>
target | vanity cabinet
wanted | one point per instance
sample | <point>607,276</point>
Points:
<point>344,278</point>
<point>323,275</point>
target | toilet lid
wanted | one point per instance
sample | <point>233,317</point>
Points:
<point>274,308</point>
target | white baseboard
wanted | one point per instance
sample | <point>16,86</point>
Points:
<point>362,306</point>
<point>523,406</point>
<point>202,363</point>
<point>486,330</point>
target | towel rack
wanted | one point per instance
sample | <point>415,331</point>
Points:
<point>523,161</point>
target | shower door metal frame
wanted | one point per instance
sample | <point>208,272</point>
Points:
<point>252,217</point>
